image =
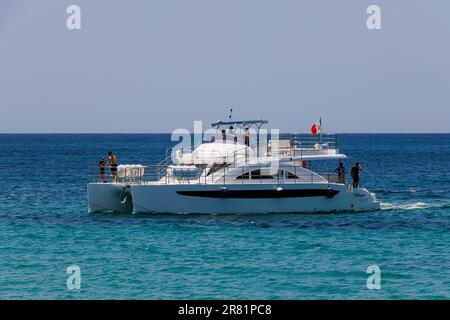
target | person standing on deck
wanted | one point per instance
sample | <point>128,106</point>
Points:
<point>112,162</point>
<point>102,165</point>
<point>355,175</point>
<point>340,172</point>
<point>224,136</point>
<point>232,134</point>
<point>246,143</point>
<point>247,137</point>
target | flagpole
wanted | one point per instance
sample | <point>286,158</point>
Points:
<point>321,130</point>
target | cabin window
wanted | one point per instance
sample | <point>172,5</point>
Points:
<point>244,176</point>
<point>255,174</point>
<point>216,167</point>
<point>290,175</point>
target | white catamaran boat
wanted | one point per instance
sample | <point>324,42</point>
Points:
<point>227,175</point>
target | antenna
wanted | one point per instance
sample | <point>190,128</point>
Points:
<point>231,113</point>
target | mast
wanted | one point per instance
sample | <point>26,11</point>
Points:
<point>321,130</point>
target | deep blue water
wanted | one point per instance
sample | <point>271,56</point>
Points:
<point>45,227</point>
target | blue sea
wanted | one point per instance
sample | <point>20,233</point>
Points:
<point>45,228</point>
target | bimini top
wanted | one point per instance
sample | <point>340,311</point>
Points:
<point>242,123</point>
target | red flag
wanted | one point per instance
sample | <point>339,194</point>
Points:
<point>314,129</point>
<point>317,127</point>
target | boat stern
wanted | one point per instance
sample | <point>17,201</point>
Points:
<point>113,197</point>
<point>365,200</point>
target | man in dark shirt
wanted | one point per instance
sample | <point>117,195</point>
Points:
<point>355,175</point>
<point>102,165</point>
<point>340,172</point>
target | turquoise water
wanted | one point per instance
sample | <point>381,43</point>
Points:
<point>45,227</point>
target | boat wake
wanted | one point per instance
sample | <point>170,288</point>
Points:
<point>414,206</point>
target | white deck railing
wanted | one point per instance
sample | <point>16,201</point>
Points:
<point>227,174</point>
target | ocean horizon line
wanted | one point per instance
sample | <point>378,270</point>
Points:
<point>168,133</point>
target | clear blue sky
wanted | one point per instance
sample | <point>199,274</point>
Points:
<point>153,66</point>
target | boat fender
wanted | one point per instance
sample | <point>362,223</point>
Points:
<point>123,195</point>
<point>224,189</point>
<point>279,189</point>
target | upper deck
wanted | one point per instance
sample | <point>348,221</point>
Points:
<point>224,162</point>
<point>235,150</point>
<point>238,147</point>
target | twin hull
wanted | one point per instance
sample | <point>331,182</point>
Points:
<point>239,198</point>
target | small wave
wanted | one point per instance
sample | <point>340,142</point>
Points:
<point>405,191</point>
<point>413,206</point>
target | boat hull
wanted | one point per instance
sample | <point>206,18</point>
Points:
<point>239,199</point>
<point>251,199</point>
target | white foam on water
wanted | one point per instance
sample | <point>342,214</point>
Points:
<point>410,206</point>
